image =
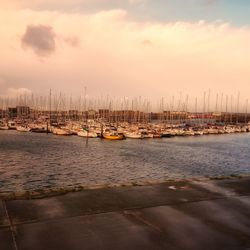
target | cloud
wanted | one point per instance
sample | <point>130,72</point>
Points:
<point>38,3</point>
<point>147,42</point>
<point>111,54</point>
<point>2,82</point>
<point>67,5</point>
<point>40,38</point>
<point>17,92</point>
<point>136,1</point>
<point>74,41</point>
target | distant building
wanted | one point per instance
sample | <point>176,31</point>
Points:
<point>3,113</point>
<point>23,111</point>
<point>174,115</point>
<point>73,114</point>
<point>12,113</point>
<point>91,114</point>
<point>104,113</point>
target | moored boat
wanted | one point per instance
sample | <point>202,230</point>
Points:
<point>85,133</point>
<point>113,136</point>
<point>198,132</point>
<point>157,135</point>
<point>12,125</point>
<point>4,127</point>
<point>166,133</point>
<point>22,128</point>
<point>146,134</point>
<point>133,135</point>
<point>61,131</point>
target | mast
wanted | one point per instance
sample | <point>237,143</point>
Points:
<point>237,107</point>
<point>85,103</point>
<point>50,107</point>
<point>204,107</point>
<point>231,115</point>
<point>225,120</point>
<point>246,111</point>
<point>221,107</point>
<point>208,104</point>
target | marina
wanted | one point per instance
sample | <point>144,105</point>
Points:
<point>125,130</point>
<point>117,119</point>
<point>47,147</point>
<point>124,125</point>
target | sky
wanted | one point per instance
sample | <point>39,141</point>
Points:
<point>125,48</point>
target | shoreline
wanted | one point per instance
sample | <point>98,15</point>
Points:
<point>58,191</point>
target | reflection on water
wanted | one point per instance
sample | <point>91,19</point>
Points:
<point>34,161</point>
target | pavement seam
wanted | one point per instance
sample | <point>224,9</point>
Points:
<point>122,210</point>
<point>11,226</point>
<point>138,217</point>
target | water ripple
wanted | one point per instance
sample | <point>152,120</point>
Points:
<point>35,161</point>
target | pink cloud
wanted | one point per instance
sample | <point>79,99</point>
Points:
<point>112,56</point>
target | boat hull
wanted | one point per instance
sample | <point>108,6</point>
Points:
<point>4,128</point>
<point>113,137</point>
<point>133,136</point>
<point>89,135</point>
<point>22,129</point>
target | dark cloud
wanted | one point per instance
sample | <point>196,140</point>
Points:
<point>72,41</point>
<point>40,38</point>
<point>147,43</point>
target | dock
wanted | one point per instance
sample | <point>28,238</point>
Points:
<point>184,214</point>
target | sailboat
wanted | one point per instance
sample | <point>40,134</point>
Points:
<point>133,135</point>
<point>61,131</point>
<point>22,128</point>
<point>11,125</point>
<point>87,133</point>
<point>4,127</point>
<point>113,135</point>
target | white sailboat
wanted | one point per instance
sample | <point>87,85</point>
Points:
<point>61,131</point>
<point>12,125</point>
<point>85,133</point>
<point>133,135</point>
<point>4,127</point>
<point>22,129</point>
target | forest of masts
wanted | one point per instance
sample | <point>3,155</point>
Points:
<point>205,104</point>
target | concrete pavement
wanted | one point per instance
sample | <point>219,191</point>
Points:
<point>205,214</point>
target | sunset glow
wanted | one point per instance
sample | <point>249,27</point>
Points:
<point>106,47</point>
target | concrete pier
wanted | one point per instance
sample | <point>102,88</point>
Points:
<point>197,214</point>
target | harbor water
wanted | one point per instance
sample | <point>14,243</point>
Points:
<point>30,161</point>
